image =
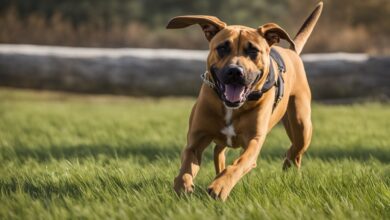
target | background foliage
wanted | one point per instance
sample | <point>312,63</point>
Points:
<point>348,25</point>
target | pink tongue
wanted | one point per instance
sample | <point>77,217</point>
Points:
<point>234,93</point>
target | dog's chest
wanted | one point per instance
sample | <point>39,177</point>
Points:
<point>228,130</point>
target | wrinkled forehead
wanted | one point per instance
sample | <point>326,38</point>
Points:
<point>237,35</point>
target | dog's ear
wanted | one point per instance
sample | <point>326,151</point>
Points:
<point>273,33</point>
<point>210,25</point>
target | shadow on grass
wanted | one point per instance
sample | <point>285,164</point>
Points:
<point>147,151</point>
<point>95,188</point>
<point>360,153</point>
<point>43,190</point>
<point>151,152</point>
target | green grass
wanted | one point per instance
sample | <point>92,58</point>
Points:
<point>67,156</point>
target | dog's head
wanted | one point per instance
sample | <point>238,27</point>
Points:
<point>239,55</point>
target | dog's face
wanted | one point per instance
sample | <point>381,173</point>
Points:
<point>238,56</point>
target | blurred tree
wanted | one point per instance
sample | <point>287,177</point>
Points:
<point>140,23</point>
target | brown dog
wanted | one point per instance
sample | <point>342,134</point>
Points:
<point>250,85</point>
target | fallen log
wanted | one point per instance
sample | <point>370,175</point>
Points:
<point>165,72</point>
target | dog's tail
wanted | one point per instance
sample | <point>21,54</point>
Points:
<point>307,27</point>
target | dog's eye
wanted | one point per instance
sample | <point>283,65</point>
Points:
<point>252,53</point>
<point>223,49</point>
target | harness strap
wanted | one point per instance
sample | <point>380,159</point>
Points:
<point>270,82</point>
<point>280,82</point>
<point>278,59</point>
<point>279,90</point>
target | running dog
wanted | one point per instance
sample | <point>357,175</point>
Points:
<point>249,86</point>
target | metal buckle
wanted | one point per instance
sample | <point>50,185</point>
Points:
<point>206,81</point>
<point>278,100</point>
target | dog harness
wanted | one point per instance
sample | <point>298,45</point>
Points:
<point>269,83</point>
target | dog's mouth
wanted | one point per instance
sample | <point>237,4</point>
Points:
<point>235,95</point>
<point>233,91</point>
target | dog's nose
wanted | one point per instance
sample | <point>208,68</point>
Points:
<point>235,72</point>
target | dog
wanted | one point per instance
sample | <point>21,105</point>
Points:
<point>249,86</point>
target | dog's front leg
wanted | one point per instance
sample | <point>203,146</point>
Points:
<point>190,162</point>
<point>225,181</point>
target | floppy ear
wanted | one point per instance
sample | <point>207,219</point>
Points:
<point>210,25</point>
<point>273,33</point>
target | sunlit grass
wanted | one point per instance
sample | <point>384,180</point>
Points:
<point>69,156</point>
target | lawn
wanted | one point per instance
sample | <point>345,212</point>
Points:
<point>68,156</point>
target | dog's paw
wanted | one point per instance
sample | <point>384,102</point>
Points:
<point>288,163</point>
<point>183,184</point>
<point>220,188</point>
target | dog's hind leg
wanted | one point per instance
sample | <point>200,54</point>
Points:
<point>287,127</point>
<point>219,158</point>
<point>290,135</point>
<point>299,128</point>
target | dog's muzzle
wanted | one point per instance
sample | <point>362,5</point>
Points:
<point>232,84</point>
